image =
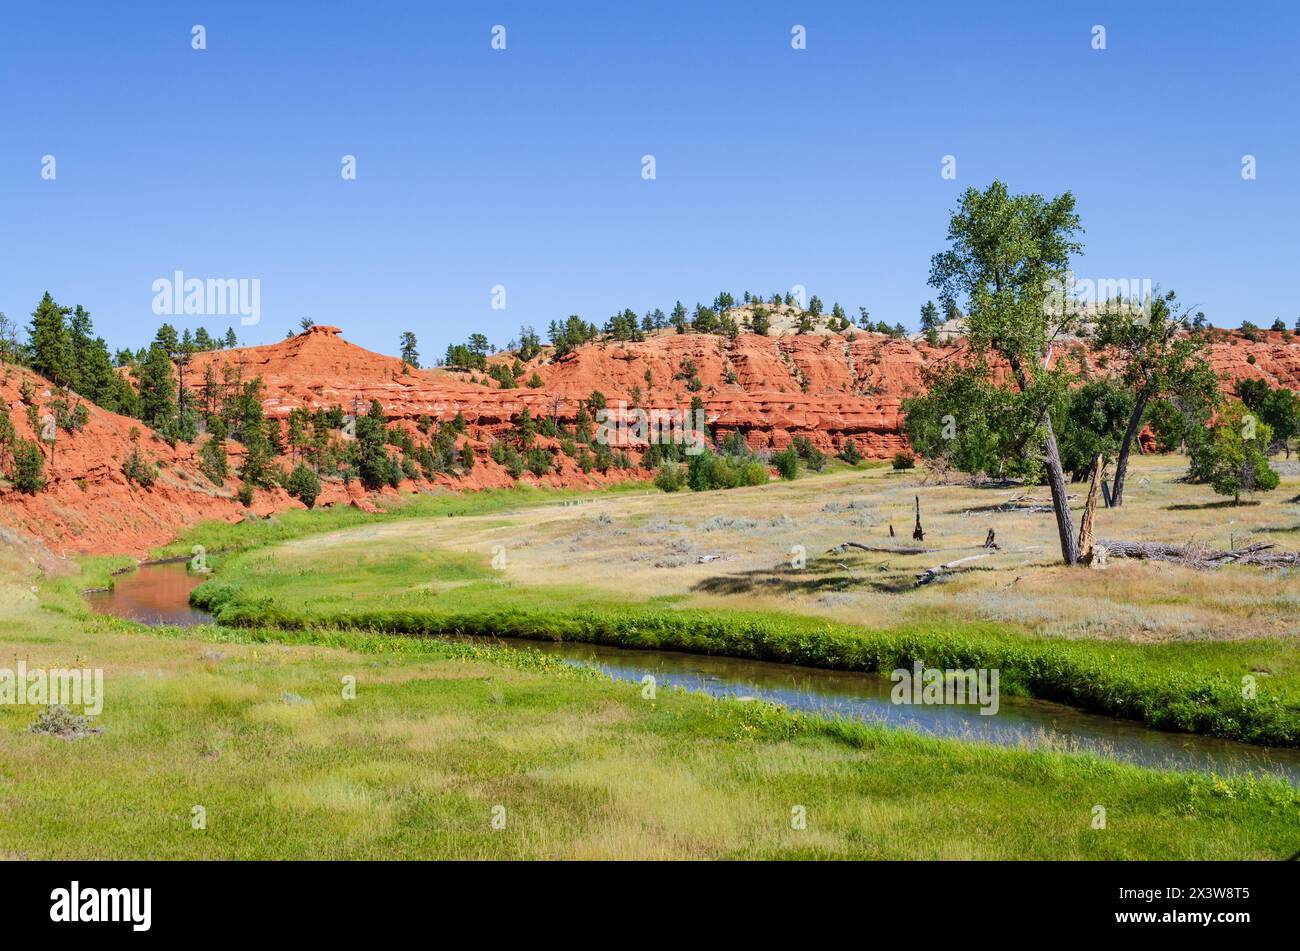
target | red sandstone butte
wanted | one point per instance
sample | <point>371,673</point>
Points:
<point>824,386</point>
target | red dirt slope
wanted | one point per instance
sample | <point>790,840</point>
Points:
<point>87,503</point>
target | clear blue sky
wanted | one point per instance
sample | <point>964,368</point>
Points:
<point>523,168</point>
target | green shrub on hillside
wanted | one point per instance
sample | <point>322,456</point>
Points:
<point>138,470</point>
<point>28,471</point>
<point>304,485</point>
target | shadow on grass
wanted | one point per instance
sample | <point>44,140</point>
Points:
<point>1198,506</point>
<point>811,580</point>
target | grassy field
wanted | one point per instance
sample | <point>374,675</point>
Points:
<point>627,570</point>
<point>734,548</point>
<point>252,724</point>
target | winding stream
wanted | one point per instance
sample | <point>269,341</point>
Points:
<point>159,594</point>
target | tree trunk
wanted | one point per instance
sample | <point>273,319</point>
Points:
<point>1060,503</point>
<point>1089,509</point>
<point>1130,434</point>
<point>1055,477</point>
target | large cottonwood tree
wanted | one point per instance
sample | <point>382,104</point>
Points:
<point>1009,258</point>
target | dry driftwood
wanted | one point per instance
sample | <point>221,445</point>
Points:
<point>938,571</point>
<point>1201,557</point>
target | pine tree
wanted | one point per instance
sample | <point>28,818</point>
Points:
<point>102,385</point>
<point>212,457</point>
<point>678,319</point>
<point>51,343</point>
<point>157,389</point>
<point>530,345</point>
<point>704,320</point>
<point>299,426</point>
<point>410,355</point>
<point>79,341</point>
<point>94,376</point>
<point>167,338</point>
<point>184,355</point>
<point>256,437</point>
<point>371,454</point>
<point>211,390</point>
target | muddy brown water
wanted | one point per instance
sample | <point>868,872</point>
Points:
<point>156,593</point>
<point>159,594</point>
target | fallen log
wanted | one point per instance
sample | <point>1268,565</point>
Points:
<point>1196,556</point>
<point>938,571</point>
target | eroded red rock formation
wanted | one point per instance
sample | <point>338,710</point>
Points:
<point>827,387</point>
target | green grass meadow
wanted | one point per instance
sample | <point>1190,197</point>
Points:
<point>1193,687</point>
<point>455,750</point>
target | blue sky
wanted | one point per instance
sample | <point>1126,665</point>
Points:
<point>522,167</point>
